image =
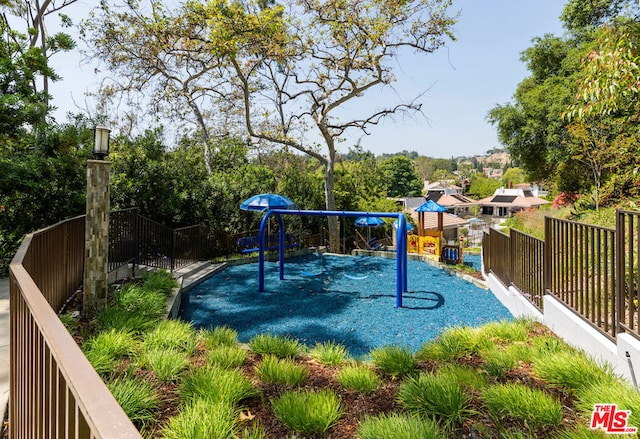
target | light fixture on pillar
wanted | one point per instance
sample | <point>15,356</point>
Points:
<point>101,144</point>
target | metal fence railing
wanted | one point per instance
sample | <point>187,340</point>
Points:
<point>54,390</point>
<point>627,286</point>
<point>593,270</point>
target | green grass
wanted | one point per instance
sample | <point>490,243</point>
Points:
<point>216,385</point>
<point>571,370</point>
<point>393,360</point>
<point>283,371</point>
<point>167,364</point>
<point>172,334</point>
<point>329,353</point>
<point>160,281</point>
<point>280,346</point>
<point>136,299</point>
<point>105,350</point>
<point>523,405</point>
<point>220,336</point>
<point>308,412</point>
<point>463,375</point>
<point>508,331</point>
<point>435,395</point>
<point>227,357</point>
<point>399,426</point>
<point>454,343</point>
<point>359,377</point>
<point>202,418</point>
<point>618,393</point>
<point>498,361</point>
<point>137,398</point>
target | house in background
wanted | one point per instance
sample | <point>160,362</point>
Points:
<point>506,202</point>
<point>449,196</point>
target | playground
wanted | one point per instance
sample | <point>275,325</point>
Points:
<point>348,299</point>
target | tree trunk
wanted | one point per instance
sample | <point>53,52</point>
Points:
<point>330,201</point>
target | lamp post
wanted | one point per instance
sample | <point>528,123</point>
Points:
<point>97,225</point>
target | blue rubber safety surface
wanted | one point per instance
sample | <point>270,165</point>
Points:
<point>347,299</point>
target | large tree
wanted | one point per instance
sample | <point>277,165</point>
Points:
<point>292,70</point>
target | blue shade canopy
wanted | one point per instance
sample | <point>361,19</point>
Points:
<point>431,206</point>
<point>409,225</point>
<point>264,202</point>
<point>476,220</point>
<point>369,221</point>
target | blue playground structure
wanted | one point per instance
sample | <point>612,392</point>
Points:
<point>401,246</point>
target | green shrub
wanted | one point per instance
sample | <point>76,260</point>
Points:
<point>165,363</point>
<point>217,385</point>
<point>220,336</point>
<point>137,398</point>
<point>161,281</point>
<point>524,405</point>
<point>435,395</point>
<point>359,377</point>
<point>394,360</point>
<point>399,426</point>
<point>203,419</point>
<point>280,346</point>
<point>281,371</point>
<point>227,357</point>
<point>572,370</point>
<point>172,334</point>
<point>329,353</point>
<point>306,412</point>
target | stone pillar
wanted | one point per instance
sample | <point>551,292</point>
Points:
<point>96,236</point>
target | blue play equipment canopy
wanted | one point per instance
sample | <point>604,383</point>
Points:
<point>401,245</point>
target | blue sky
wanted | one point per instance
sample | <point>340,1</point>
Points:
<point>462,81</point>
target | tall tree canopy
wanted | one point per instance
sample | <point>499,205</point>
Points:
<point>290,69</point>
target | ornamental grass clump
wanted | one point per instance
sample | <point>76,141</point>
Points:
<point>454,343</point>
<point>619,393</point>
<point>202,418</point>
<point>308,412</point>
<point>359,377</point>
<point>137,398</point>
<point>219,336</point>
<point>467,377</point>
<point>393,360</point>
<point>571,370</point>
<point>283,371</point>
<point>435,395</point>
<point>399,426</point>
<point>216,385</point>
<point>329,353</point>
<point>280,346</point>
<point>172,334</point>
<point>106,349</point>
<point>160,281</point>
<point>498,361</point>
<point>227,357</point>
<point>528,408</point>
<point>167,364</point>
<point>508,331</point>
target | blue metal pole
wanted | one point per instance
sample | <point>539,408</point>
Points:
<point>263,223</point>
<point>400,268</point>
<point>281,245</point>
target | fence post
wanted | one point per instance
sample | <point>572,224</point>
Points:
<point>173,249</point>
<point>620,276</point>
<point>512,256</point>
<point>546,264</point>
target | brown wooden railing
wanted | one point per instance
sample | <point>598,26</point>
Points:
<point>592,270</point>
<point>54,390</point>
